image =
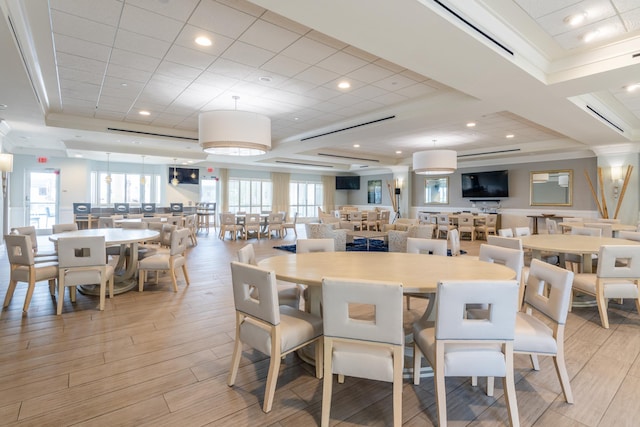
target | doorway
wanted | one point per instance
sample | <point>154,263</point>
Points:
<point>41,204</point>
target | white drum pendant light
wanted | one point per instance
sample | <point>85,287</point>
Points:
<point>435,162</point>
<point>234,133</point>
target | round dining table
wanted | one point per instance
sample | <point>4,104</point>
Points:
<point>417,272</point>
<point>576,244</point>
<point>126,268</point>
<point>615,227</point>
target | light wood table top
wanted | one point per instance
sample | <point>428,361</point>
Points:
<point>614,227</point>
<point>570,243</point>
<point>112,236</point>
<point>416,272</point>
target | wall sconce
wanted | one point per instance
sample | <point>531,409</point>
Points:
<point>6,166</point>
<point>616,177</point>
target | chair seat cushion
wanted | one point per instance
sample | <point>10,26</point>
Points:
<point>463,359</point>
<point>44,271</point>
<point>297,327</point>
<point>533,336</point>
<point>160,261</point>
<point>586,282</point>
<point>363,361</point>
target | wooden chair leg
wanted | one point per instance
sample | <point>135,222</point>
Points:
<point>327,383</point>
<point>103,290</point>
<point>417,364</point>
<point>237,353</point>
<point>398,357</point>
<point>9,294</point>
<point>60,295</point>
<point>27,299</point>
<point>563,376</point>
<point>602,309</point>
<point>174,280</point>
<point>142,274</point>
<point>186,275</point>
<point>441,390</point>
<point>272,379</point>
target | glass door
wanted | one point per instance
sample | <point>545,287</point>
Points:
<point>42,199</point>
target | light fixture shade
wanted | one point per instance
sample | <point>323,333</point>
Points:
<point>234,133</point>
<point>435,162</point>
<point>6,162</point>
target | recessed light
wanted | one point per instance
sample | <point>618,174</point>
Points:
<point>344,85</point>
<point>356,145</point>
<point>189,161</point>
<point>471,124</point>
<point>632,87</point>
<point>398,152</point>
<point>135,142</point>
<point>78,155</point>
<point>296,118</point>
<point>203,41</point>
<point>509,136</point>
<point>124,84</point>
<point>144,113</point>
<point>576,19</point>
<point>265,79</point>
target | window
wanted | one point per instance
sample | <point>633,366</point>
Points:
<point>250,195</point>
<point>125,188</point>
<point>208,190</point>
<point>305,198</point>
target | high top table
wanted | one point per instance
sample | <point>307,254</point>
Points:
<point>125,271</point>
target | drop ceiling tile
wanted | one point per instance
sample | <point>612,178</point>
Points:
<point>177,71</point>
<point>625,5</point>
<point>268,36</point>
<point>79,75</point>
<point>79,63</point>
<point>82,28</point>
<point>389,65</point>
<point>248,89</point>
<point>323,93</point>
<point>370,73</point>
<point>150,24</point>
<point>285,66</point>
<point>230,69</point>
<point>316,75</point>
<point>554,24</point>
<point>137,43</point>
<point>537,8</point>
<point>274,80</point>
<point>325,39</point>
<point>247,54</point>
<point>114,103</point>
<point>134,60</point>
<point>189,57</point>
<point>368,92</point>
<point>283,22</point>
<point>631,19</point>
<point>244,6</point>
<point>573,39</point>
<point>73,102</point>
<point>308,51</point>
<point>390,99</point>
<point>190,123</point>
<point>221,19</point>
<point>205,90</point>
<point>192,99</point>
<point>296,86</point>
<point>120,93</point>
<point>76,110</point>
<point>104,11</point>
<point>189,33</point>
<point>359,53</point>
<point>341,63</point>
<point>414,76</point>
<point>81,48</point>
<point>168,120</point>
<point>326,106</point>
<point>180,10</point>
<point>126,73</point>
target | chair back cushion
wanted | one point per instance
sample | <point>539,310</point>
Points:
<point>247,255</point>
<point>451,302</point>
<point>586,231</point>
<point>386,298</point>
<point>454,237</point>
<point>19,249</point>
<point>314,245</point>
<point>523,231</point>
<point>505,242</point>
<point>428,246</point>
<point>548,290</point>
<point>609,268</point>
<point>85,251</point>
<point>179,241</point>
<point>262,304</point>
<point>512,258</point>
<point>61,228</point>
<point>424,231</point>
<point>30,231</point>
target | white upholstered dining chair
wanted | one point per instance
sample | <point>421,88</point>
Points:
<point>462,347</point>
<point>424,246</point>
<point>369,348</point>
<point>617,276</point>
<point>272,329</point>
<point>171,261</point>
<point>548,292</point>
<point>288,294</point>
<point>82,261</point>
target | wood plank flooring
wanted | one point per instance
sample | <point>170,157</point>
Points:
<point>160,358</point>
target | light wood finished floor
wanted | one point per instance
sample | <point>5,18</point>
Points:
<point>160,358</point>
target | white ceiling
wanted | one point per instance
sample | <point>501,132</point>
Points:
<point>94,64</point>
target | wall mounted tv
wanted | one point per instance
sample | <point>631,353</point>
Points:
<point>347,182</point>
<point>185,175</point>
<point>485,184</point>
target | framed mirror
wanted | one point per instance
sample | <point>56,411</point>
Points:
<point>551,188</point>
<point>436,191</point>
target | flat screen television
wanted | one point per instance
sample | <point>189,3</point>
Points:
<point>485,184</point>
<point>185,175</point>
<point>347,182</point>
